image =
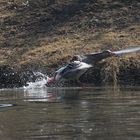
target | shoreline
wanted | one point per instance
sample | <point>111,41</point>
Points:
<point>112,71</point>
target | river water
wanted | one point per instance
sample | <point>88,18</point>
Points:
<point>99,113</point>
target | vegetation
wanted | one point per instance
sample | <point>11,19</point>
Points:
<point>45,34</point>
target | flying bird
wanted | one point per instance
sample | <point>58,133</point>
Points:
<point>78,66</point>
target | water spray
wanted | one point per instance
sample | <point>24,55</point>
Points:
<point>40,82</point>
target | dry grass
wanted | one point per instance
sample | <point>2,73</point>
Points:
<point>47,34</point>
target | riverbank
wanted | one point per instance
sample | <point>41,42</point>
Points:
<point>44,35</point>
<point>112,71</point>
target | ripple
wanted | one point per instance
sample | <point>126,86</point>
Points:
<point>6,105</point>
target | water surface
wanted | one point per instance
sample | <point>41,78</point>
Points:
<point>99,113</point>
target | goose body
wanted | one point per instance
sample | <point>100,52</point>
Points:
<point>72,71</point>
<point>81,63</point>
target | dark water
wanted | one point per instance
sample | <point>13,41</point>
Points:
<point>70,114</point>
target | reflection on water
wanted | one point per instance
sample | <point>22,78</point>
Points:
<point>70,113</point>
<point>5,105</point>
<point>51,94</point>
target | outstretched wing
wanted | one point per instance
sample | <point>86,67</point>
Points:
<point>92,58</point>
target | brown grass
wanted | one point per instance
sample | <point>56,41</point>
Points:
<point>46,34</point>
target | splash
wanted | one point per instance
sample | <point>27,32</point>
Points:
<point>125,51</point>
<point>40,81</point>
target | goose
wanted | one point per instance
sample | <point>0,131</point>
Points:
<point>77,67</point>
<point>79,64</point>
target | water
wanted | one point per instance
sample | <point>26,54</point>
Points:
<point>99,113</point>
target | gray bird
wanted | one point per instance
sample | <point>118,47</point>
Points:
<point>78,66</point>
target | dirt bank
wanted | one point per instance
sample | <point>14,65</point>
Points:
<point>44,35</point>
